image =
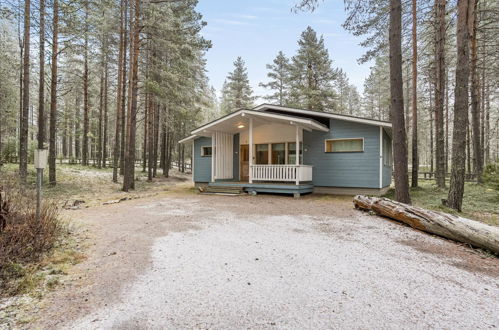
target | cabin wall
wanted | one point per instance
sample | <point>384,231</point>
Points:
<point>344,169</point>
<point>202,165</point>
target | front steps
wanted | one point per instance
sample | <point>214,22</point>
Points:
<point>236,188</point>
<point>221,190</point>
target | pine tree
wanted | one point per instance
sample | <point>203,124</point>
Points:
<point>397,104</point>
<point>312,74</point>
<point>237,92</point>
<point>456,190</point>
<point>279,75</point>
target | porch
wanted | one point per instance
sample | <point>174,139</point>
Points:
<point>252,147</point>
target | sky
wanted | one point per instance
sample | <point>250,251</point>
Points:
<point>257,30</point>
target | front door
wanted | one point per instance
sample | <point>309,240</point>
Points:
<point>244,156</point>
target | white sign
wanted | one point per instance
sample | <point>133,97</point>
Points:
<point>41,158</point>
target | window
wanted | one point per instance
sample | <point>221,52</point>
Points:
<point>278,153</point>
<point>206,151</point>
<point>345,145</point>
<point>262,153</point>
<point>292,153</point>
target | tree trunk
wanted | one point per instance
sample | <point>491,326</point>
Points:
<point>442,224</point>
<point>129,178</point>
<point>41,81</point>
<point>53,96</point>
<point>440,6</point>
<point>119,99</point>
<point>456,191</point>
<point>156,139</point>
<point>124,105</point>
<point>432,150</point>
<point>415,155</point>
<point>101,113</point>
<point>487,126</point>
<point>397,104</point>
<point>162,147</point>
<point>24,117</point>
<point>475,95</point>
<point>150,136</point>
<point>77,129</point>
<point>446,122</point>
<point>106,116</point>
<point>147,118</point>
<point>65,135</point>
<point>468,146</point>
<point>84,160</point>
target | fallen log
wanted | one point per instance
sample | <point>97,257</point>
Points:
<point>453,227</point>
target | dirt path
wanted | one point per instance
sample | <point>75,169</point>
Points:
<point>190,261</point>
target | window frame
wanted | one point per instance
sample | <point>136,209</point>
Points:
<point>343,139</point>
<point>203,153</point>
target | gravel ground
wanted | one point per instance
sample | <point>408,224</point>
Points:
<point>216,262</point>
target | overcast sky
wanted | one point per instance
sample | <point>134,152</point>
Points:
<point>257,29</point>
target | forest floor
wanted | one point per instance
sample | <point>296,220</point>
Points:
<point>167,256</point>
<point>94,186</point>
<point>183,260</point>
<point>480,202</point>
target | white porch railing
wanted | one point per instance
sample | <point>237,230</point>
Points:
<point>296,173</point>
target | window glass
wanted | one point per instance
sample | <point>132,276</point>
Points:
<point>292,153</point>
<point>345,145</point>
<point>278,153</point>
<point>262,153</point>
<point>206,151</point>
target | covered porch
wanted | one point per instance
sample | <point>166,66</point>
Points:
<point>252,147</point>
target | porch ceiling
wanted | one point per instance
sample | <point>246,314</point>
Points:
<point>239,121</point>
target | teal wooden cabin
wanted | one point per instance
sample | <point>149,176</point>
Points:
<point>277,149</point>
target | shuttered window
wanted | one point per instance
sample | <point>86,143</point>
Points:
<point>345,145</point>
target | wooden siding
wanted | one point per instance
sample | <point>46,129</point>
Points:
<point>387,170</point>
<point>344,169</point>
<point>202,165</point>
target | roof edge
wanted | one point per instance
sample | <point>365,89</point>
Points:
<point>369,121</point>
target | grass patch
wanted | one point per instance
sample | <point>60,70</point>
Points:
<point>31,248</point>
<point>94,185</point>
<point>480,201</point>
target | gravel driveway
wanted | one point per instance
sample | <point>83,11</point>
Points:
<point>190,261</point>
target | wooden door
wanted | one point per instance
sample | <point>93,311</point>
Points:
<point>244,160</point>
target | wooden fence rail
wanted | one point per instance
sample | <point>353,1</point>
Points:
<point>469,177</point>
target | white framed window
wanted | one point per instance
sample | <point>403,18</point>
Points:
<point>344,145</point>
<point>206,151</point>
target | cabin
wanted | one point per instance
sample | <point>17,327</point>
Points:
<point>276,149</point>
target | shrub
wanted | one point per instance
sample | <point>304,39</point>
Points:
<point>23,238</point>
<point>491,175</point>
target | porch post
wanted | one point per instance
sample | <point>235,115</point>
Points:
<point>297,157</point>
<point>250,174</point>
<point>213,155</point>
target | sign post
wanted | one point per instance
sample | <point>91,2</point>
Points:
<point>40,164</point>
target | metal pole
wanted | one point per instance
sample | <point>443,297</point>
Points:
<point>39,181</point>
